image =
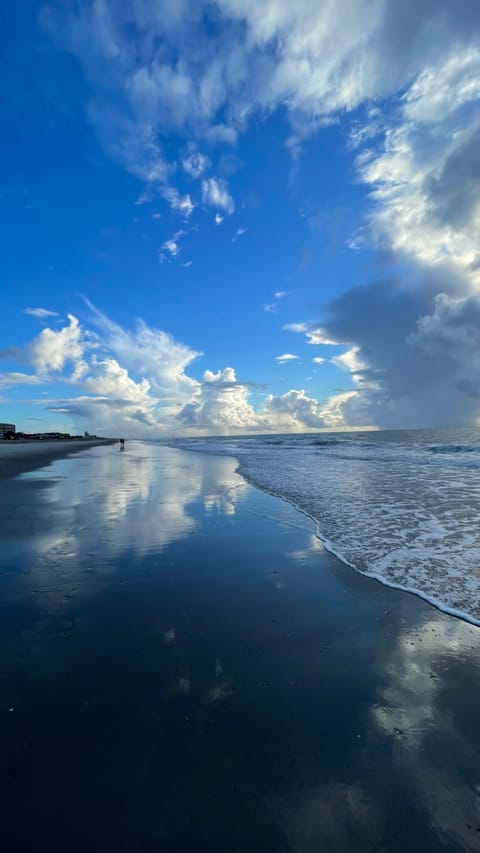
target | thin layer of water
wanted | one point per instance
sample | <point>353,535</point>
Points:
<point>403,507</point>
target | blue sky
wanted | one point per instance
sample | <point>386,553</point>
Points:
<point>227,216</point>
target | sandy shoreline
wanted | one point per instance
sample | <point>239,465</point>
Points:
<point>17,457</point>
<point>165,622</point>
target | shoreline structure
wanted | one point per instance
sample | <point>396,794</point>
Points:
<point>436,603</point>
<point>18,457</point>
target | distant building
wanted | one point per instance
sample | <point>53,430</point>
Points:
<point>4,428</point>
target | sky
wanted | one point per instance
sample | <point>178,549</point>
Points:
<point>231,216</point>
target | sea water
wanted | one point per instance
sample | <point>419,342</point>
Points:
<point>402,506</point>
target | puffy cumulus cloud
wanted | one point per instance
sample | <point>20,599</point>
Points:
<point>51,350</point>
<point>293,411</point>
<point>130,380</point>
<point>424,173</point>
<point>149,352</point>
<point>221,403</point>
<point>107,378</point>
<point>135,381</point>
<point>351,361</point>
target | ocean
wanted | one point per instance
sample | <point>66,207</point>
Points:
<point>400,506</point>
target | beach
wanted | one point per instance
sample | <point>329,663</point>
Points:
<point>185,667</point>
<point>18,456</point>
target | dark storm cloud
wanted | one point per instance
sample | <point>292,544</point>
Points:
<point>421,345</point>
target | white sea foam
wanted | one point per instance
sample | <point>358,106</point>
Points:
<point>402,507</point>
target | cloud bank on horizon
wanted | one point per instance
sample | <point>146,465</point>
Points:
<point>404,79</point>
<point>92,361</point>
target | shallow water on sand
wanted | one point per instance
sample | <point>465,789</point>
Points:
<point>401,505</point>
<point>183,667</point>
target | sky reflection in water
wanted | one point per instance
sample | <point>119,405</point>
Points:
<point>229,683</point>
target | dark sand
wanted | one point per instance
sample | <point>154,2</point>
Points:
<point>19,456</point>
<point>184,668</point>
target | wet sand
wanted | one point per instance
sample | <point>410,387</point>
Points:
<point>184,668</point>
<point>19,456</point>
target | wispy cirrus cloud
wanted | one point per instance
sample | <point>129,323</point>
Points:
<point>11,379</point>
<point>171,247</point>
<point>41,313</point>
<point>215,193</point>
<point>239,233</point>
<point>272,307</point>
<point>196,164</point>
<point>180,203</point>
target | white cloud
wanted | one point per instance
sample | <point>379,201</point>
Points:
<point>172,247</point>
<point>293,411</point>
<point>130,380</point>
<point>238,233</point>
<point>181,76</point>
<point>12,379</point>
<point>351,361</point>
<point>318,359</point>
<point>315,334</point>
<point>42,313</point>
<point>196,164</point>
<point>215,193</point>
<point>320,336</point>
<point>296,327</point>
<point>218,219</point>
<point>414,71</point>
<point>221,404</point>
<point>288,356</point>
<point>149,352</point>
<point>51,350</point>
<point>134,381</point>
<point>336,414</point>
<point>181,204</point>
<point>272,307</point>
